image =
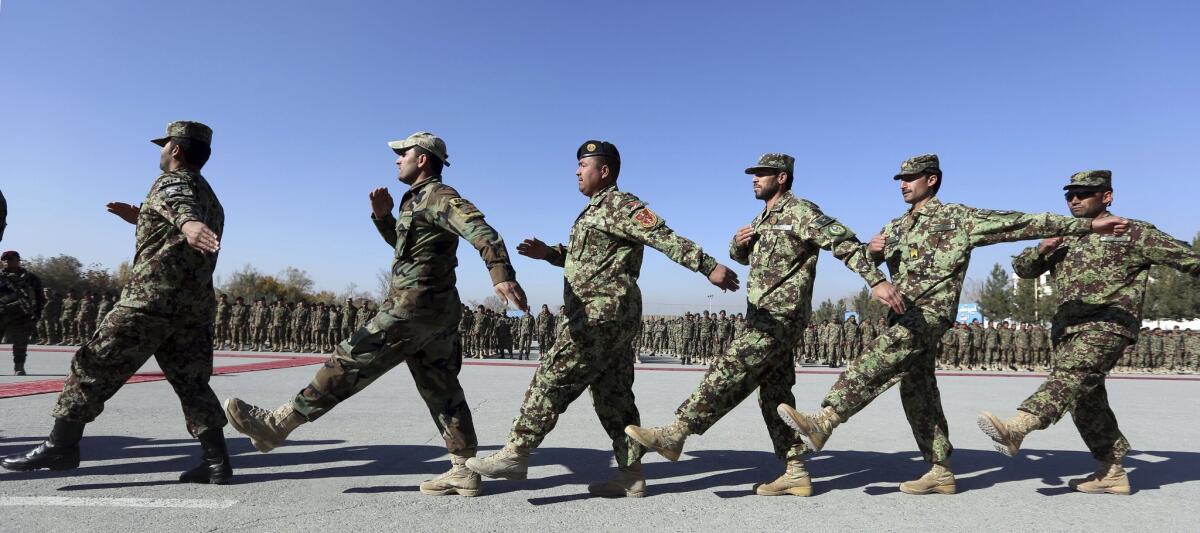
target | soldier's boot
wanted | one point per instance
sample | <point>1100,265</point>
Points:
<point>510,462</point>
<point>628,483</point>
<point>939,479</point>
<point>814,428</point>
<point>1008,434</point>
<point>667,440</point>
<point>19,368</point>
<point>266,429</point>
<point>60,451</point>
<point>458,480</point>
<point>214,467</point>
<point>1110,478</point>
<point>794,481</point>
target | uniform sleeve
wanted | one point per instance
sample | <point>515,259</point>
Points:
<point>1031,262</point>
<point>556,255</point>
<point>631,219</point>
<point>991,227</point>
<point>460,216</point>
<point>831,235</point>
<point>738,253</point>
<point>174,198</point>
<point>1158,248</point>
<point>386,227</point>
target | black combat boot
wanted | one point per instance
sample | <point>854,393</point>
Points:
<point>59,452</point>
<point>214,467</point>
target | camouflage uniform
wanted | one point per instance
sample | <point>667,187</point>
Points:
<point>166,308</point>
<point>593,349</point>
<point>260,320</point>
<point>418,323</point>
<point>927,252</point>
<point>238,316</point>
<point>49,328</point>
<point>221,322</point>
<point>279,320</point>
<point>1100,283</point>
<point>70,333</point>
<point>783,265</point>
<point>21,302</point>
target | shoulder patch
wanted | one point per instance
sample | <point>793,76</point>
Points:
<point>837,231</point>
<point>646,218</point>
<point>464,209</point>
<point>822,221</point>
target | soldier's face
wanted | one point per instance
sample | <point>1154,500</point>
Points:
<point>767,184</point>
<point>592,174</point>
<point>408,167</point>
<point>13,264</point>
<point>916,188</point>
<point>1085,203</point>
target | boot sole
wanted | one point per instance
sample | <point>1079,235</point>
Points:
<point>258,445</point>
<point>621,495</point>
<point>941,489</point>
<point>466,493</point>
<point>803,492</point>
<point>989,424</point>
<point>671,455</point>
<point>19,468</point>
<point>1117,491</point>
<point>784,413</point>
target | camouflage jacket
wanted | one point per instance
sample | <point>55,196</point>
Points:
<point>425,239</point>
<point>977,335</point>
<point>279,316</point>
<point>103,308</point>
<point>70,306</point>
<point>222,313</point>
<point>260,316</point>
<point>850,331</point>
<point>783,257</point>
<point>300,317</point>
<point>349,316</point>
<point>603,258</point>
<point>526,324</point>
<point>927,251</point>
<point>53,309</point>
<point>963,336</point>
<point>545,322</point>
<point>991,338</point>
<point>1100,281</point>
<point>238,314</point>
<point>87,310</point>
<point>168,277</point>
<point>21,294</point>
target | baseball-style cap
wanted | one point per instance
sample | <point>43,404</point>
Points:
<point>186,129</point>
<point>921,164</point>
<point>594,148</point>
<point>774,161</point>
<point>430,142</point>
<point>1092,179</point>
<point>11,254</point>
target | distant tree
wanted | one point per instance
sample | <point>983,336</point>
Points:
<point>1025,303</point>
<point>825,311</point>
<point>995,296</point>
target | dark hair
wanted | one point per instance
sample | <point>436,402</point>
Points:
<point>195,153</point>
<point>787,185</point>
<point>937,185</point>
<point>614,165</point>
<point>435,163</point>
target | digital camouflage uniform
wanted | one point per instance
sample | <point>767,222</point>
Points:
<point>21,303</point>
<point>593,349</point>
<point>49,329</point>
<point>418,323</point>
<point>70,332</point>
<point>783,266</point>
<point>165,311</point>
<point>221,319</point>
<point>927,252</point>
<point>1100,284</point>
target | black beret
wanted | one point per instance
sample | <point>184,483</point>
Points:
<point>595,148</point>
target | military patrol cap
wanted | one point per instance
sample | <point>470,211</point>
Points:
<point>430,142</point>
<point>186,129</point>
<point>921,164</point>
<point>781,162</point>
<point>595,148</point>
<point>1092,179</point>
<point>9,255</point>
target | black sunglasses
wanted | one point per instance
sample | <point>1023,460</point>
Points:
<point>1082,195</point>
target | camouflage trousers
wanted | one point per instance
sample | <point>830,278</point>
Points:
<point>17,327</point>
<point>1076,385</point>
<point>905,352</point>
<point>587,355</point>
<point>126,339</point>
<point>761,357</point>
<point>432,349</point>
<point>221,333</point>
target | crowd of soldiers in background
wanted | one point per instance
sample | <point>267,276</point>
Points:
<point>695,339</point>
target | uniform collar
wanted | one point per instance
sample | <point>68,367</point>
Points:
<point>424,182</point>
<point>599,196</point>
<point>929,208</point>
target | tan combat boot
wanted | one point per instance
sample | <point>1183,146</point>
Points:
<point>629,482</point>
<point>666,440</point>
<point>1110,478</point>
<point>939,479</point>
<point>266,429</point>
<point>510,462</point>
<point>814,428</point>
<point>1008,434</point>
<point>794,481</point>
<point>458,480</point>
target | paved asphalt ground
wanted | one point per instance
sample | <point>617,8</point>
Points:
<point>358,468</point>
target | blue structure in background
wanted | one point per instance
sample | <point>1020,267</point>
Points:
<point>968,313</point>
<point>852,314</point>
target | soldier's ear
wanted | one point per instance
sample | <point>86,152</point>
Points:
<point>1107,198</point>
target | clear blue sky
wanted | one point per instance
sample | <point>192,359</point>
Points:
<point>303,96</point>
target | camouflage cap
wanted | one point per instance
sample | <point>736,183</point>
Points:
<point>430,142</point>
<point>920,164</point>
<point>781,162</point>
<point>1098,179</point>
<point>593,148</point>
<point>186,129</point>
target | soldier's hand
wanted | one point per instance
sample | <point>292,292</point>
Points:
<point>887,294</point>
<point>875,247</point>
<point>200,237</point>
<point>532,248</point>
<point>1109,225</point>
<point>381,202</point>
<point>744,235</point>
<point>1049,245</point>
<point>127,212</point>
<point>511,291</point>
<point>724,278</point>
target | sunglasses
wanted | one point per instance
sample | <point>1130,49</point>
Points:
<point>1082,195</point>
